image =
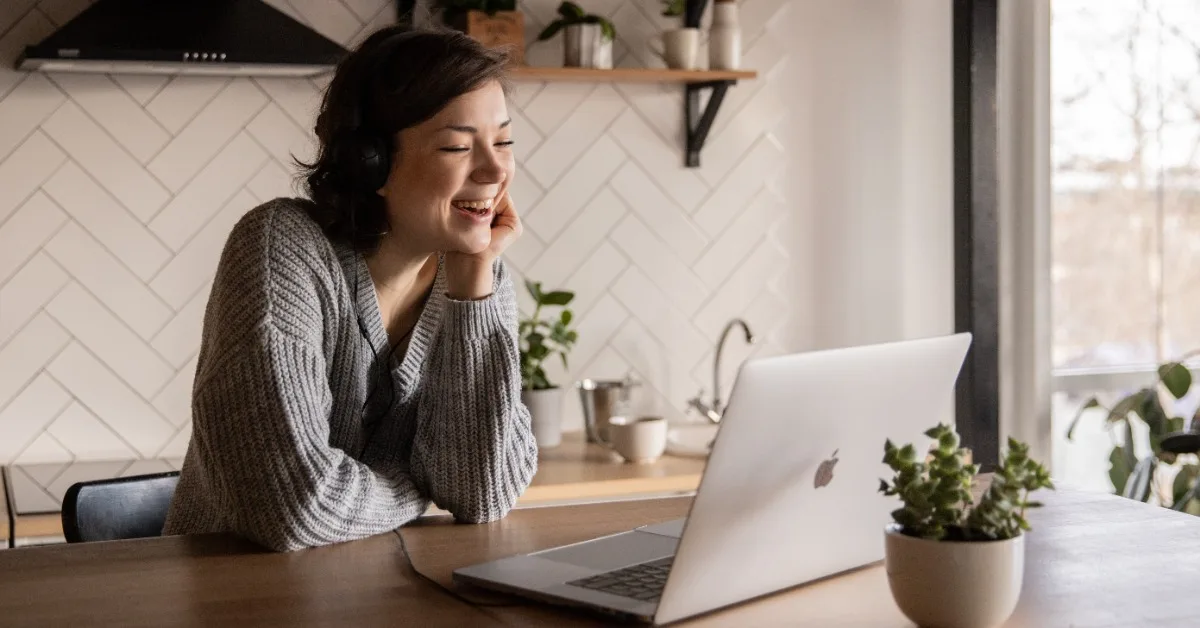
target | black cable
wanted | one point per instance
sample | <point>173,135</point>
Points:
<point>372,426</point>
<point>459,596</point>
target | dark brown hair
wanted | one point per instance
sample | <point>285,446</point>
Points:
<point>397,78</point>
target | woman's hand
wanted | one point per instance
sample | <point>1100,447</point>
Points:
<point>469,276</point>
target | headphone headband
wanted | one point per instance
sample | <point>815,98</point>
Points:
<point>372,149</point>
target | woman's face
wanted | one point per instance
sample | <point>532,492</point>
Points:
<point>449,172</point>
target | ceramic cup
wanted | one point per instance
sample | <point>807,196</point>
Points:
<point>680,48</point>
<point>638,439</point>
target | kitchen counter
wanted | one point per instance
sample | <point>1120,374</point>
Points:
<point>573,472</point>
<point>580,471</point>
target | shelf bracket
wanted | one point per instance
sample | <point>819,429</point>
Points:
<point>699,124</point>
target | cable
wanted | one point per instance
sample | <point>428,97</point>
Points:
<point>371,426</point>
<point>459,596</point>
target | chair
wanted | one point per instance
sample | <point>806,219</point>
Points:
<point>119,508</point>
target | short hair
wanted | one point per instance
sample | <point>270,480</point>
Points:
<point>397,78</point>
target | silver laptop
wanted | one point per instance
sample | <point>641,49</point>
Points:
<point>789,494</point>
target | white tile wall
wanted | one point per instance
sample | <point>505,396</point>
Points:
<point>117,192</point>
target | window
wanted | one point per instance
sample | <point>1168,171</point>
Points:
<point>1125,208</point>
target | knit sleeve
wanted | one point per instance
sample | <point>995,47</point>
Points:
<point>474,452</point>
<point>261,437</point>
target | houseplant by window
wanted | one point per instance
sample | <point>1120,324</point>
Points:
<point>1169,474</point>
<point>494,23</point>
<point>587,37</point>
<point>953,562</point>
<point>540,339</point>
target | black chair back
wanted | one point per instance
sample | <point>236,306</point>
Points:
<point>119,508</point>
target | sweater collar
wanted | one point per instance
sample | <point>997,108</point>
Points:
<point>407,366</point>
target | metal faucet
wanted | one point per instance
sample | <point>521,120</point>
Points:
<point>713,411</point>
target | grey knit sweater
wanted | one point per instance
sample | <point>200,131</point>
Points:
<point>279,451</point>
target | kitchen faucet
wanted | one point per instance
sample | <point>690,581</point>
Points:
<point>713,411</point>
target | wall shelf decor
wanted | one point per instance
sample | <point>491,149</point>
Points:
<point>698,122</point>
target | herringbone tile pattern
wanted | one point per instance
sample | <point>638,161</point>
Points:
<point>117,192</point>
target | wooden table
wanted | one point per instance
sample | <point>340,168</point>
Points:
<point>575,471</point>
<point>1093,560</point>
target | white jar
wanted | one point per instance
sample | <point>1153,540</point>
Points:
<point>725,37</point>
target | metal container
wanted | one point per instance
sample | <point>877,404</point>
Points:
<point>602,400</point>
<point>584,46</point>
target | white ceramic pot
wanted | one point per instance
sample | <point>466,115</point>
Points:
<point>545,414</point>
<point>724,37</point>
<point>954,584</point>
<point>584,46</point>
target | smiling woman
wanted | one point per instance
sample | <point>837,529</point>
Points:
<point>388,277</point>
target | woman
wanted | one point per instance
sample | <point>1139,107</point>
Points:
<point>359,356</point>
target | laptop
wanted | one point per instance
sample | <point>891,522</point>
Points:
<point>789,493</point>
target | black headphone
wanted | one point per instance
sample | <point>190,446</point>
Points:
<point>371,150</point>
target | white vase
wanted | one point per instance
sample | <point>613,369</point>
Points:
<point>545,414</point>
<point>725,37</point>
<point>954,584</point>
<point>584,46</point>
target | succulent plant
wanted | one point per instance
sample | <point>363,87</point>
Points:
<point>936,492</point>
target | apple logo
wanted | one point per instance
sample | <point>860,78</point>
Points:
<point>825,471</point>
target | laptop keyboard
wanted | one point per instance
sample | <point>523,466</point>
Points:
<point>643,582</point>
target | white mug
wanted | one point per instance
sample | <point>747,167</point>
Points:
<point>638,439</point>
<point>680,48</point>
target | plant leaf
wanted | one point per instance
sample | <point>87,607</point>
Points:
<point>1130,457</point>
<point>1184,480</point>
<point>1176,377</point>
<point>550,31</point>
<point>558,297</point>
<point>539,380</point>
<point>570,10</point>
<point>1138,486</point>
<point>1151,411</point>
<point>1118,470</point>
<point>535,289</point>
<point>565,319</point>
<point>1120,412</point>
<point>607,30</point>
<point>1188,496</point>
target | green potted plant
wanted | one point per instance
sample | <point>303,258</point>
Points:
<point>494,23</point>
<point>587,37</point>
<point>953,562</point>
<point>540,339</point>
<point>1169,475</point>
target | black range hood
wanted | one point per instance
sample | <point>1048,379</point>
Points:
<point>210,37</point>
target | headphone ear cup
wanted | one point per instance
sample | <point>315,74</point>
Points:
<point>376,162</point>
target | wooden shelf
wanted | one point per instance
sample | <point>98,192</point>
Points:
<point>628,75</point>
